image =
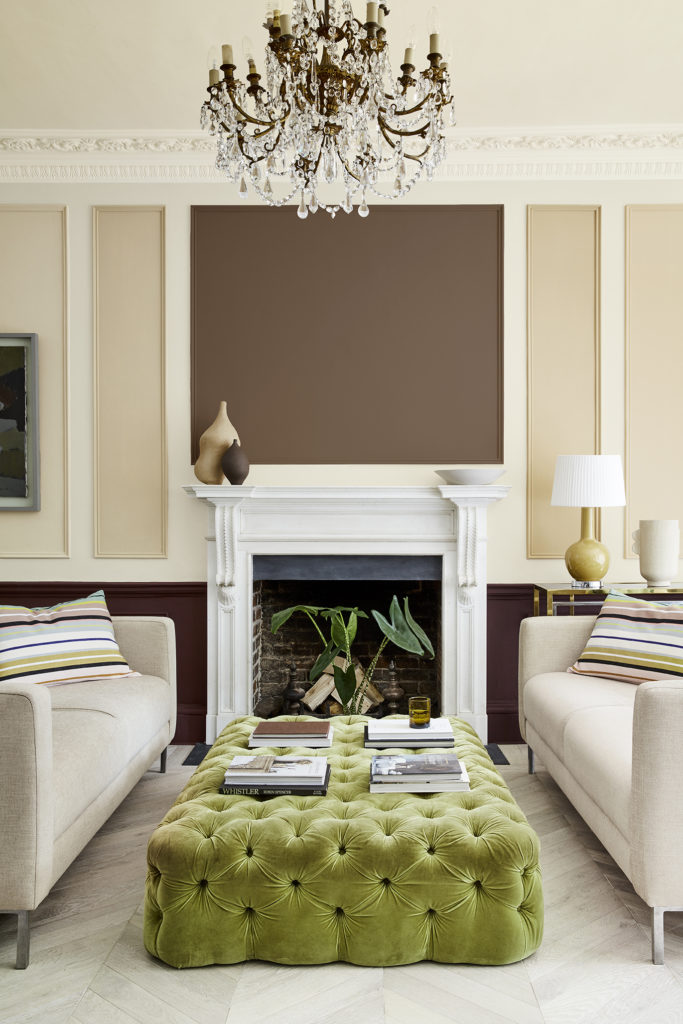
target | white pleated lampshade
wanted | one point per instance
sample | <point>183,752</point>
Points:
<point>588,481</point>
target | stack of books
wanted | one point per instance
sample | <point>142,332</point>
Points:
<point>264,775</point>
<point>292,734</point>
<point>397,732</point>
<point>419,773</point>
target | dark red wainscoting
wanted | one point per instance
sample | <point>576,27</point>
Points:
<point>508,604</point>
<point>185,603</point>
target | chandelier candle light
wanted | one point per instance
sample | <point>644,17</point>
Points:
<point>329,113</point>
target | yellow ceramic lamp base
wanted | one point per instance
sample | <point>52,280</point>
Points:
<point>587,559</point>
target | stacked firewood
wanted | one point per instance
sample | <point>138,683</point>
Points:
<point>323,694</point>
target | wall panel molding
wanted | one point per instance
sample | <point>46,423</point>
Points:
<point>563,361</point>
<point>34,261</point>
<point>624,152</point>
<point>654,364</point>
<point>131,490</point>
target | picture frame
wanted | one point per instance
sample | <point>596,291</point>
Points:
<point>19,423</point>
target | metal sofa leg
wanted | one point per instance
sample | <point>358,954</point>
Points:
<point>658,932</point>
<point>657,935</point>
<point>162,767</point>
<point>532,767</point>
<point>23,940</point>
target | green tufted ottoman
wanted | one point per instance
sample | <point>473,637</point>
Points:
<point>370,879</point>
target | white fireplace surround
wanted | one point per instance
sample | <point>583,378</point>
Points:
<point>446,521</point>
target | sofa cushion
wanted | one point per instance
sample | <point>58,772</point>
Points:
<point>96,731</point>
<point>70,641</point>
<point>634,641</point>
<point>597,753</point>
<point>551,699</point>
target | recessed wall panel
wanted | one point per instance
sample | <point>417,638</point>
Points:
<point>130,419</point>
<point>33,299</point>
<point>563,328</point>
<point>654,364</point>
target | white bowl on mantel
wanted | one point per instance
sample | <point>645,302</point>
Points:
<point>471,475</point>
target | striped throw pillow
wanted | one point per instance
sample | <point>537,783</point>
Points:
<point>634,641</point>
<point>69,642</point>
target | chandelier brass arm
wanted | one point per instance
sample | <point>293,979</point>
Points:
<point>324,113</point>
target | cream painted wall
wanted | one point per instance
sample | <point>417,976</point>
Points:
<point>187,522</point>
<point>131,65</point>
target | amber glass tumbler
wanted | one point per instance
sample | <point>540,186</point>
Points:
<point>420,712</point>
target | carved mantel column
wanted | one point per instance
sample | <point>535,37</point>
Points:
<point>229,610</point>
<point>471,504</point>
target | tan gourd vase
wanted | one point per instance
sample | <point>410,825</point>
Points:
<point>213,444</point>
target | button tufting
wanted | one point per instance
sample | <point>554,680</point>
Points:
<point>408,819</point>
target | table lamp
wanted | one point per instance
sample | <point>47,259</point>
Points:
<point>588,482</point>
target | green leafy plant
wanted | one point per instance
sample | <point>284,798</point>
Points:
<point>337,628</point>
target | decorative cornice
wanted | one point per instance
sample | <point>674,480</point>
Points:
<point>544,140</point>
<point>568,153</point>
<point>128,143</point>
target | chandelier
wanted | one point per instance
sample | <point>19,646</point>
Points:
<point>329,118</point>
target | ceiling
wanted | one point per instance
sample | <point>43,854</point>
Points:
<point>141,64</point>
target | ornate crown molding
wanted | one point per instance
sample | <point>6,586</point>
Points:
<point>544,141</point>
<point>569,153</point>
<point>106,143</point>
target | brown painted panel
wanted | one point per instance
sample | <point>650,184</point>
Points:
<point>508,604</point>
<point>185,603</point>
<point>349,341</point>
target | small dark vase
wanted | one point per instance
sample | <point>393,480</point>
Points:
<point>235,464</point>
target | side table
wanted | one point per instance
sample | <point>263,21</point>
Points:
<point>563,599</point>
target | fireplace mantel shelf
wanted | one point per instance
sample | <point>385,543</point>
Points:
<point>230,495</point>
<point>448,521</point>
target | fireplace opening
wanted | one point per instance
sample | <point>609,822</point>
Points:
<point>282,662</point>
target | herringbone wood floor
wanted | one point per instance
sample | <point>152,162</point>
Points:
<point>88,965</point>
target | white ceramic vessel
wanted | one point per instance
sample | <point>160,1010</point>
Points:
<point>471,475</point>
<point>657,543</point>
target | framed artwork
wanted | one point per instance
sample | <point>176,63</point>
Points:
<point>19,445</point>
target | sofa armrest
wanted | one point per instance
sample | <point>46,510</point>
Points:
<point>656,797</point>
<point>549,643</point>
<point>26,795</point>
<point>148,645</point>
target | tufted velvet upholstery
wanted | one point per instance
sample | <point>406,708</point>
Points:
<point>370,879</point>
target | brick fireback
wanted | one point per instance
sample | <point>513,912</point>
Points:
<point>297,641</point>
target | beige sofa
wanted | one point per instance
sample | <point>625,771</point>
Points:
<point>69,754</point>
<point>616,750</point>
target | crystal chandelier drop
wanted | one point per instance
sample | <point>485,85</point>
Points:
<point>329,119</point>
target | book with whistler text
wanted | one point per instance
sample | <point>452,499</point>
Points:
<point>265,775</point>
